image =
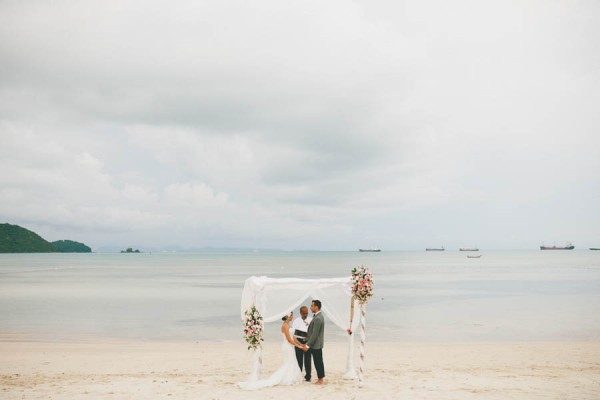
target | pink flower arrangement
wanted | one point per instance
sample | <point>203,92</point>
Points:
<point>253,327</point>
<point>362,284</point>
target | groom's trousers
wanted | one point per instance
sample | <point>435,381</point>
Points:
<point>317,355</point>
<point>304,358</point>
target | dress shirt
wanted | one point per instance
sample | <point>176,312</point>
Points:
<point>301,324</point>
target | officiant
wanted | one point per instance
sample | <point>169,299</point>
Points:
<point>300,326</point>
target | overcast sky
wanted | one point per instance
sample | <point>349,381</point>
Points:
<point>325,125</point>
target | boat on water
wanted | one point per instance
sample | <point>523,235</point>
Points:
<point>469,249</point>
<point>474,256</point>
<point>569,246</point>
<point>594,248</point>
<point>369,250</point>
<point>435,248</point>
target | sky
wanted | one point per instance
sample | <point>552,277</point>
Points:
<point>302,124</point>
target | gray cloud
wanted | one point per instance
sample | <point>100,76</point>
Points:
<point>301,124</point>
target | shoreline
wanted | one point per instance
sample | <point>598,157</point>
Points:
<point>107,369</point>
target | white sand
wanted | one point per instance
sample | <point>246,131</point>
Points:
<point>149,370</point>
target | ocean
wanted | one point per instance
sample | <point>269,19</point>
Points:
<point>524,295</point>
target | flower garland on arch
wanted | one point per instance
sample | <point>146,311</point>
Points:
<point>253,327</point>
<point>362,284</point>
<point>362,290</point>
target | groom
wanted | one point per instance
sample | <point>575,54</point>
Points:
<point>315,339</point>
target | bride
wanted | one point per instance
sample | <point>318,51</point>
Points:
<point>289,373</point>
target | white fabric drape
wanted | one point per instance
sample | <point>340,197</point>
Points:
<point>276,297</point>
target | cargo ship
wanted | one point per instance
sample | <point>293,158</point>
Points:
<point>469,249</point>
<point>569,246</point>
<point>435,249</point>
<point>369,250</point>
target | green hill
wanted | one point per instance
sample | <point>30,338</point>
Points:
<point>70,246</point>
<point>15,239</point>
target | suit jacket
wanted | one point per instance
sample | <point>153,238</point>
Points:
<point>316,332</point>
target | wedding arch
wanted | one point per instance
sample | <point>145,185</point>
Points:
<point>276,297</point>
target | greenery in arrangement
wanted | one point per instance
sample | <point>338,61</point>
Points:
<point>362,283</point>
<point>16,239</point>
<point>253,328</point>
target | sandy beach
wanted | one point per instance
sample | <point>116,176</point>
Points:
<point>102,369</point>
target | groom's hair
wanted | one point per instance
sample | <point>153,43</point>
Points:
<point>317,303</point>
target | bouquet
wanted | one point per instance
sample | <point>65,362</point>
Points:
<point>253,327</point>
<point>362,284</point>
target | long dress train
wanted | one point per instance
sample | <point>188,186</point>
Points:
<point>288,374</point>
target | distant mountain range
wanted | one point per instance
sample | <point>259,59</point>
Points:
<point>16,239</point>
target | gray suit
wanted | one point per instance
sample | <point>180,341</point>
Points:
<point>316,332</point>
<point>316,339</point>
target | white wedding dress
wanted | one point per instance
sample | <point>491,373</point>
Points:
<point>288,374</point>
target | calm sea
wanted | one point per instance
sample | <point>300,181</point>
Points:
<point>419,296</point>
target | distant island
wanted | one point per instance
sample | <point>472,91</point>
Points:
<point>16,239</point>
<point>130,250</point>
